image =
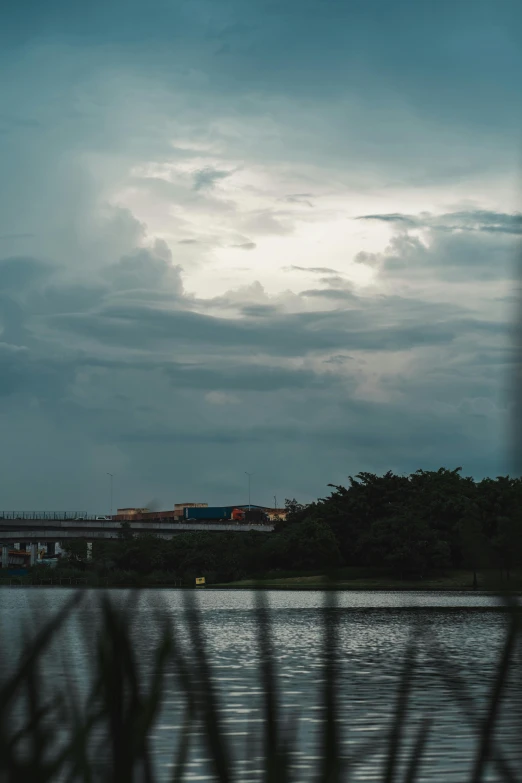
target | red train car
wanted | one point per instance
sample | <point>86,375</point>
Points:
<point>148,516</point>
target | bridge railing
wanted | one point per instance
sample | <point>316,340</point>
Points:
<point>51,515</point>
<point>80,516</point>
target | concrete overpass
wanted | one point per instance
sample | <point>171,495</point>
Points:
<point>34,531</point>
<point>31,530</point>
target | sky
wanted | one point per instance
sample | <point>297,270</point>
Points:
<point>273,237</point>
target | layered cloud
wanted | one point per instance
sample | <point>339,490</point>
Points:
<point>213,261</point>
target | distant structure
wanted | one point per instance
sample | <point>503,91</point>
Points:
<point>200,511</point>
<point>275,513</point>
<point>178,508</point>
<point>131,512</point>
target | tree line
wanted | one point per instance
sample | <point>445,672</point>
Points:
<point>423,521</point>
<point>411,525</point>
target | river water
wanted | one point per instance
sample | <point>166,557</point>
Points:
<point>465,630</point>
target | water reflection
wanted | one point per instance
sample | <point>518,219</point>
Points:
<point>373,631</point>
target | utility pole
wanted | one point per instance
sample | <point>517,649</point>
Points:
<point>275,503</point>
<point>249,477</point>
<point>111,480</point>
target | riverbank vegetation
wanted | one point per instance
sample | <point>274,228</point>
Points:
<point>434,528</point>
<point>381,579</point>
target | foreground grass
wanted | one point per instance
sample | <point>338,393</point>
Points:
<point>107,736</point>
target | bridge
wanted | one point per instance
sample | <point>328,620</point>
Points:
<point>34,531</point>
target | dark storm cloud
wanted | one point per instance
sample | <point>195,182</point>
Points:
<point>135,376</point>
<point>305,42</point>
<point>471,220</point>
<point>20,272</point>
<point>482,220</point>
<point>207,177</point>
<point>246,378</point>
<point>382,326</point>
<point>71,297</point>
<point>313,51</point>
<point>23,373</point>
<point>106,364</point>
<point>386,323</point>
<point>260,310</point>
<point>344,63</point>
<point>146,269</point>
<point>475,245</point>
<point>422,432</point>
<point>384,434</point>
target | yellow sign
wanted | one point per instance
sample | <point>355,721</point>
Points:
<point>200,580</point>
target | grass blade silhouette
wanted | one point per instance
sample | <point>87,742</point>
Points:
<point>186,681</point>
<point>276,748</point>
<point>460,693</point>
<point>417,752</point>
<point>127,709</point>
<point>400,715</point>
<point>331,767</point>
<point>206,699</point>
<point>37,730</point>
<point>489,724</point>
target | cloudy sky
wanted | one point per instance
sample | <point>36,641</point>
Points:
<point>276,237</point>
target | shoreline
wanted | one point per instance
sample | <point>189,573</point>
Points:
<point>486,590</point>
<point>347,581</point>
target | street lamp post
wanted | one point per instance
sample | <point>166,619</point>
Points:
<point>111,478</point>
<point>249,477</point>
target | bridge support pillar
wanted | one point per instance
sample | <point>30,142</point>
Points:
<point>22,546</point>
<point>51,549</point>
<point>5,556</point>
<point>34,553</point>
<point>89,550</point>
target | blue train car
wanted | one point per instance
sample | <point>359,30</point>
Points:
<point>211,513</point>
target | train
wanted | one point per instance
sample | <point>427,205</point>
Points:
<point>235,514</point>
<point>226,514</point>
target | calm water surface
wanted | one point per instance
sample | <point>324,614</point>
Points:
<point>373,631</point>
